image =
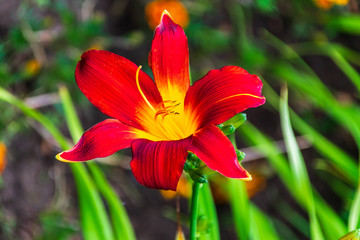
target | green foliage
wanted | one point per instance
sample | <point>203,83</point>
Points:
<point>279,40</point>
<point>297,166</point>
<point>121,225</point>
<point>208,226</point>
<point>56,227</point>
<point>266,6</point>
<point>215,40</point>
<point>349,23</point>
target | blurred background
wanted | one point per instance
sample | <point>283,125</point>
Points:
<point>310,46</point>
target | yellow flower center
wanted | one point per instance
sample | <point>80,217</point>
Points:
<point>166,121</point>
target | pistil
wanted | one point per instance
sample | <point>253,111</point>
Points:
<point>141,92</point>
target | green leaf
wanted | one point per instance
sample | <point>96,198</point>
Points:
<point>83,181</point>
<point>239,203</point>
<point>261,227</point>
<point>342,161</point>
<point>354,216</point>
<point>266,6</point>
<point>297,166</point>
<point>56,227</point>
<point>249,222</point>
<point>121,222</point>
<point>343,64</point>
<point>72,119</point>
<point>208,211</point>
<point>334,226</point>
<point>346,23</point>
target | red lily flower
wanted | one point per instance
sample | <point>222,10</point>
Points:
<point>163,120</point>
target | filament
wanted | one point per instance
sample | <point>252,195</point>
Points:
<point>141,92</point>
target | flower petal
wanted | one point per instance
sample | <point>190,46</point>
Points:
<point>159,164</point>
<point>217,152</point>
<point>109,82</point>
<point>169,59</point>
<point>221,94</point>
<point>102,140</point>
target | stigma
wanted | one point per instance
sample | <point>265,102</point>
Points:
<point>139,88</point>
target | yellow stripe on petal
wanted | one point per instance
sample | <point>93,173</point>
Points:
<point>240,95</point>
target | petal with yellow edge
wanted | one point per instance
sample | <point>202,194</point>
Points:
<point>108,81</point>
<point>102,140</point>
<point>165,119</point>
<point>169,60</point>
<point>217,152</point>
<point>221,94</point>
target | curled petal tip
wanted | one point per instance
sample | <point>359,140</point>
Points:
<point>166,19</point>
<point>58,157</point>
<point>249,178</point>
<point>165,12</point>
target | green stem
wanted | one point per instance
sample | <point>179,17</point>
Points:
<point>194,210</point>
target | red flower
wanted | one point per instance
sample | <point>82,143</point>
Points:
<point>163,120</point>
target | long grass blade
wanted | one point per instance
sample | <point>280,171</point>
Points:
<point>323,98</point>
<point>343,64</point>
<point>334,225</point>
<point>297,166</point>
<point>250,222</point>
<point>83,181</point>
<point>311,48</point>
<point>121,222</point>
<point>239,203</point>
<point>354,216</point>
<point>44,121</point>
<point>261,227</point>
<point>349,23</point>
<point>343,162</point>
<point>303,78</point>
<point>207,211</point>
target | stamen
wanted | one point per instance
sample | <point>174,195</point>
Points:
<point>162,104</point>
<point>141,92</point>
<point>165,113</point>
<point>166,110</point>
<point>160,112</point>
<point>162,119</point>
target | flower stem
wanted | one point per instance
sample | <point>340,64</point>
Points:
<point>194,210</point>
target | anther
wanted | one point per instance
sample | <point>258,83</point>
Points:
<point>166,110</point>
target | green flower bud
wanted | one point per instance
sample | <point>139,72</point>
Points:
<point>240,155</point>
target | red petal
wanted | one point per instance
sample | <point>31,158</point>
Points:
<point>221,94</point>
<point>109,82</point>
<point>102,140</point>
<point>169,59</point>
<point>159,164</point>
<point>217,152</point>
